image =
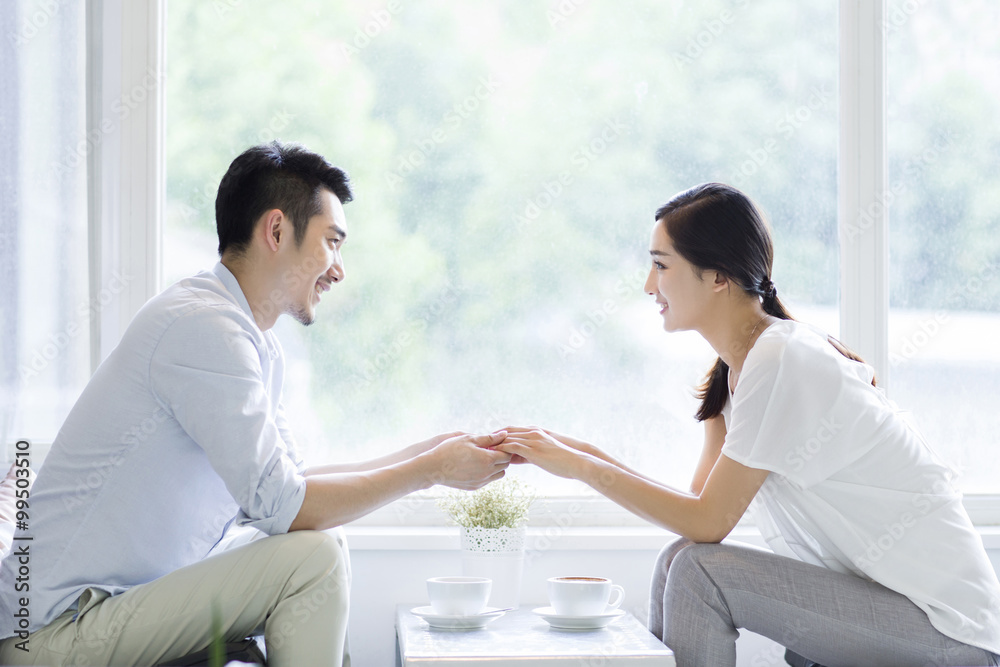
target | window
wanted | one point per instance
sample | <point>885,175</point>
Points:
<point>45,305</point>
<point>507,161</point>
<point>944,257</point>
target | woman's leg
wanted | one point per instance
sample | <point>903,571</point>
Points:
<point>793,659</point>
<point>825,616</point>
<point>659,583</point>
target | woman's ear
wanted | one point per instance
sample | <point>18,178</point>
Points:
<point>720,283</point>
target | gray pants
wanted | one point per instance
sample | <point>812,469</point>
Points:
<point>701,594</point>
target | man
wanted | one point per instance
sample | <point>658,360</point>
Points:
<point>181,433</point>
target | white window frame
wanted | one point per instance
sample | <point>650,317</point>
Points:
<point>126,188</point>
<point>862,175</point>
<point>126,175</point>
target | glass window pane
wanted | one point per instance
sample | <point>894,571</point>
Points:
<point>44,306</point>
<point>507,160</point>
<point>944,175</point>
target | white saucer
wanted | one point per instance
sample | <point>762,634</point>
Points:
<point>445,622</point>
<point>578,622</point>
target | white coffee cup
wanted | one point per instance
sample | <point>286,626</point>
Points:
<point>458,596</point>
<point>583,596</point>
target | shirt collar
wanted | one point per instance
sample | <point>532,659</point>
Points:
<point>233,287</point>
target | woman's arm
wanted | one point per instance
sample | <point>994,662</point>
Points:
<point>715,437</point>
<point>579,445</point>
<point>708,516</point>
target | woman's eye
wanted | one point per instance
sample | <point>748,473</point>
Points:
<point>658,265</point>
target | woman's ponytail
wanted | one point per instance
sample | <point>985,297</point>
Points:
<point>714,391</point>
<point>770,302</point>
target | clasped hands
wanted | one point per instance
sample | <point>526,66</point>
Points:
<point>472,461</point>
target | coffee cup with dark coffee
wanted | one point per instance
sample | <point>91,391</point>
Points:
<point>584,596</point>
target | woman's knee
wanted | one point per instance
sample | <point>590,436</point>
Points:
<point>669,552</point>
<point>694,569</point>
<point>695,557</point>
<point>664,563</point>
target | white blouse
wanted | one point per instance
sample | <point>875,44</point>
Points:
<point>854,487</point>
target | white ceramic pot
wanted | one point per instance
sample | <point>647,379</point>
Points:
<point>497,553</point>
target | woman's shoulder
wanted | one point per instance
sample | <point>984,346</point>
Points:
<point>792,329</point>
<point>806,347</point>
<point>784,333</point>
<point>778,337</point>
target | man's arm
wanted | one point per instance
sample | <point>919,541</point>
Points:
<point>400,456</point>
<point>464,462</point>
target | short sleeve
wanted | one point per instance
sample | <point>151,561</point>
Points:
<point>801,409</point>
<point>207,373</point>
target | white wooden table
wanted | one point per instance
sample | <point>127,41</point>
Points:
<point>523,639</point>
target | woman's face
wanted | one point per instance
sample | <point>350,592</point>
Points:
<point>681,290</point>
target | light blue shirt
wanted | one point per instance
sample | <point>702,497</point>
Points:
<point>179,434</point>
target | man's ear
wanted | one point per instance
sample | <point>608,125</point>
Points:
<point>272,228</point>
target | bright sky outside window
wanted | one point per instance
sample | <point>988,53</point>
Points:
<point>944,176</point>
<point>507,161</point>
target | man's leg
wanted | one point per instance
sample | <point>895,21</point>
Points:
<point>246,536</point>
<point>293,585</point>
<point>826,616</point>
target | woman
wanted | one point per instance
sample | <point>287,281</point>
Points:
<point>875,559</point>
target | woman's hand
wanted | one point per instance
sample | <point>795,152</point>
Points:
<point>573,443</point>
<point>545,450</point>
<point>568,441</point>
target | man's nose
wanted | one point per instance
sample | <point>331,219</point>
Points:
<point>336,272</point>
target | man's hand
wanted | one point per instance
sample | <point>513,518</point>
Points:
<point>335,495</point>
<point>468,461</point>
<point>430,443</point>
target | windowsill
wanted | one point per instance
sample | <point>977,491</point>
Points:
<point>568,517</point>
<point>629,538</point>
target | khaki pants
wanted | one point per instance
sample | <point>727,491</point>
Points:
<point>294,586</point>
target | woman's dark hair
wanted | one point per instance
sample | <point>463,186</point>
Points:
<point>275,175</point>
<point>716,227</point>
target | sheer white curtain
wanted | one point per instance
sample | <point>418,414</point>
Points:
<point>44,301</point>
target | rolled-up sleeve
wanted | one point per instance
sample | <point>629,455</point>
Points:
<point>289,439</point>
<point>207,373</point>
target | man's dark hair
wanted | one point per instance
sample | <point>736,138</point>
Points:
<point>283,176</point>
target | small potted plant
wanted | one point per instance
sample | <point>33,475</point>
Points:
<point>492,527</point>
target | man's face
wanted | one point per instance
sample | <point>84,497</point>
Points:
<point>316,264</point>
